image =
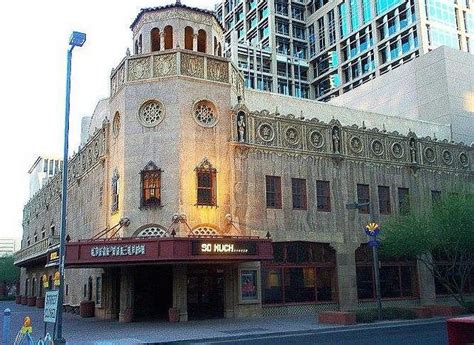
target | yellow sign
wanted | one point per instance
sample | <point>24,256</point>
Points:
<point>53,256</point>
<point>57,279</point>
<point>45,281</point>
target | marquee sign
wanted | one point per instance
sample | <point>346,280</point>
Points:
<point>126,250</point>
<point>203,247</point>
<point>178,249</point>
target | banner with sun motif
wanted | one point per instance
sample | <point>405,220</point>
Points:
<point>372,229</point>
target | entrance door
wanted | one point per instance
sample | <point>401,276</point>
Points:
<point>153,292</point>
<point>205,292</point>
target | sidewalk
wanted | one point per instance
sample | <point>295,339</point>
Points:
<point>93,331</point>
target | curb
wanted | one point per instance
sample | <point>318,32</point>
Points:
<point>335,329</point>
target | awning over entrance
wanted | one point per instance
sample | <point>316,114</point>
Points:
<point>120,251</point>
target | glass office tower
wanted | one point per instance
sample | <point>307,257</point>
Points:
<point>322,48</point>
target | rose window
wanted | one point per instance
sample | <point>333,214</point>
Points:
<point>151,113</point>
<point>205,113</point>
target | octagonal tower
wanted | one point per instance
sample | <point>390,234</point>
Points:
<point>177,26</point>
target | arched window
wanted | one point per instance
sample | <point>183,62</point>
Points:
<point>215,45</point>
<point>33,287</point>
<point>155,40</point>
<point>202,41</point>
<point>168,31</point>
<point>219,49</point>
<point>135,48</point>
<point>206,184</point>
<point>188,37</point>
<point>151,185</point>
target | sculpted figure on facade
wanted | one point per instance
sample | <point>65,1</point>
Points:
<point>412,150</point>
<point>241,126</point>
<point>336,140</point>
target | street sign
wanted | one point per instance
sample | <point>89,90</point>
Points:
<point>50,306</point>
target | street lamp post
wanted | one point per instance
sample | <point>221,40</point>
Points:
<point>77,39</point>
<point>372,230</point>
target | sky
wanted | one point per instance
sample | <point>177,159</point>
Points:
<point>34,36</point>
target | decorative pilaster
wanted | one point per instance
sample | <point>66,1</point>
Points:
<point>180,291</point>
<point>346,275</point>
<point>127,293</point>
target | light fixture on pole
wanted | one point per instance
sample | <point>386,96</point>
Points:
<point>77,39</point>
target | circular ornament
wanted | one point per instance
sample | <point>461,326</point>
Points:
<point>316,139</point>
<point>377,147</point>
<point>292,136</point>
<point>356,145</point>
<point>463,159</point>
<point>205,113</point>
<point>447,157</point>
<point>429,154</point>
<point>397,150</point>
<point>266,132</point>
<point>151,113</point>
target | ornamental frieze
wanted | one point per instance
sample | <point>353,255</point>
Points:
<point>299,136</point>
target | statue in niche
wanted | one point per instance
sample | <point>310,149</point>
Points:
<point>412,150</point>
<point>241,126</point>
<point>336,140</point>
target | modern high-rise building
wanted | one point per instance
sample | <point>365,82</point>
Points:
<point>7,246</point>
<point>42,170</point>
<point>322,48</point>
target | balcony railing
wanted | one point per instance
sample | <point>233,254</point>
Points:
<point>36,250</point>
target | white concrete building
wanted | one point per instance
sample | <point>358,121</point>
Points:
<point>437,87</point>
<point>42,170</point>
<point>7,246</point>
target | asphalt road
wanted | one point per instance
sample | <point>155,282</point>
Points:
<point>426,334</point>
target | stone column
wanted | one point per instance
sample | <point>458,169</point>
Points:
<point>229,291</point>
<point>162,41</point>
<point>426,284</point>
<point>180,291</point>
<point>127,287</point>
<point>108,309</point>
<point>346,275</point>
<point>195,42</point>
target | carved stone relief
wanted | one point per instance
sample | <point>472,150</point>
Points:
<point>316,139</point>
<point>217,70</point>
<point>192,65</point>
<point>377,147</point>
<point>164,65</point>
<point>447,157</point>
<point>139,69</point>
<point>266,132</point>
<point>429,154</point>
<point>356,144</point>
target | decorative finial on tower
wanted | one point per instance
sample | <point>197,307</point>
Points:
<point>363,125</point>
<point>178,2</point>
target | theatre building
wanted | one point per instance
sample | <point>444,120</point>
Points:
<point>197,194</point>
